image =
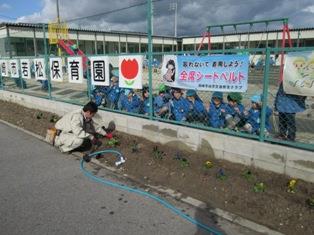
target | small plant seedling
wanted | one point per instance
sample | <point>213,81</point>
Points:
<point>259,187</point>
<point>113,142</point>
<point>184,162</point>
<point>39,115</point>
<point>53,119</point>
<point>310,202</point>
<point>134,147</point>
<point>158,154</point>
<point>221,174</point>
<point>247,174</point>
<point>292,186</point>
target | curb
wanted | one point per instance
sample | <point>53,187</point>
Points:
<point>170,192</point>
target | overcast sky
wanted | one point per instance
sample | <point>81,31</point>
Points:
<point>193,15</point>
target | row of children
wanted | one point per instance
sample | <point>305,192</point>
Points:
<point>171,104</point>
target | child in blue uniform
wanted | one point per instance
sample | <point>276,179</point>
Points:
<point>287,106</point>
<point>161,101</point>
<point>217,111</point>
<point>144,107</point>
<point>113,93</point>
<point>99,94</point>
<point>253,117</point>
<point>197,110</point>
<point>179,106</point>
<point>130,102</point>
<point>234,110</point>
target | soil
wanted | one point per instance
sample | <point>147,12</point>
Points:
<point>224,185</point>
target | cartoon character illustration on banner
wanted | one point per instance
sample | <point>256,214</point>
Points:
<point>169,69</point>
<point>298,75</point>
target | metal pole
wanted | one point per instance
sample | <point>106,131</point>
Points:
<point>150,56</point>
<point>175,18</point>
<point>265,93</point>
<point>1,81</point>
<point>58,13</point>
<point>9,42</point>
<point>152,17</point>
<point>89,85</point>
<point>58,20</point>
<point>20,74</point>
<point>46,62</point>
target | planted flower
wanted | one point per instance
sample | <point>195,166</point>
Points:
<point>208,164</point>
<point>259,187</point>
<point>292,186</point>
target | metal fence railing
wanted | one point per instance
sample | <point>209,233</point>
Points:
<point>261,113</point>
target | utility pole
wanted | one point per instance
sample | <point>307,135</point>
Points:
<point>174,6</point>
<point>152,17</point>
<point>58,31</point>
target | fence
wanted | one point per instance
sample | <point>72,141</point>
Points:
<point>257,113</point>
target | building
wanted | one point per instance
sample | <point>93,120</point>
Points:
<point>23,39</point>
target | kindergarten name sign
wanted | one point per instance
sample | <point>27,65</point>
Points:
<point>215,73</point>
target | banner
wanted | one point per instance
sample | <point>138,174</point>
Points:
<point>224,73</point>
<point>14,68</point>
<point>25,68</point>
<point>130,71</point>
<point>40,69</point>
<point>100,70</point>
<point>298,74</point>
<point>4,68</point>
<point>75,69</point>
<point>55,65</point>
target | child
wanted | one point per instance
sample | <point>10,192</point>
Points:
<point>161,102</point>
<point>130,102</point>
<point>144,107</point>
<point>217,111</point>
<point>288,105</point>
<point>253,117</point>
<point>179,106</point>
<point>113,93</point>
<point>234,110</point>
<point>99,94</point>
<point>197,110</point>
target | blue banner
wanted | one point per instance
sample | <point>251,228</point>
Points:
<point>214,72</point>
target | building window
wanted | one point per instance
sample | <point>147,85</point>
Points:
<point>100,48</point>
<point>167,48</point>
<point>144,47</point>
<point>133,47</point>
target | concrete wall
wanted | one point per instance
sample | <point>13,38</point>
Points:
<point>280,159</point>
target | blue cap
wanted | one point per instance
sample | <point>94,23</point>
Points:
<point>217,94</point>
<point>256,98</point>
<point>115,72</point>
<point>190,93</point>
<point>127,91</point>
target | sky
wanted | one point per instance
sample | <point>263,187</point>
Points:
<point>192,15</point>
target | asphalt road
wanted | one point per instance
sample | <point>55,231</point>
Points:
<point>44,192</point>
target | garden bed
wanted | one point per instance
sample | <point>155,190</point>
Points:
<point>229,186</point>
